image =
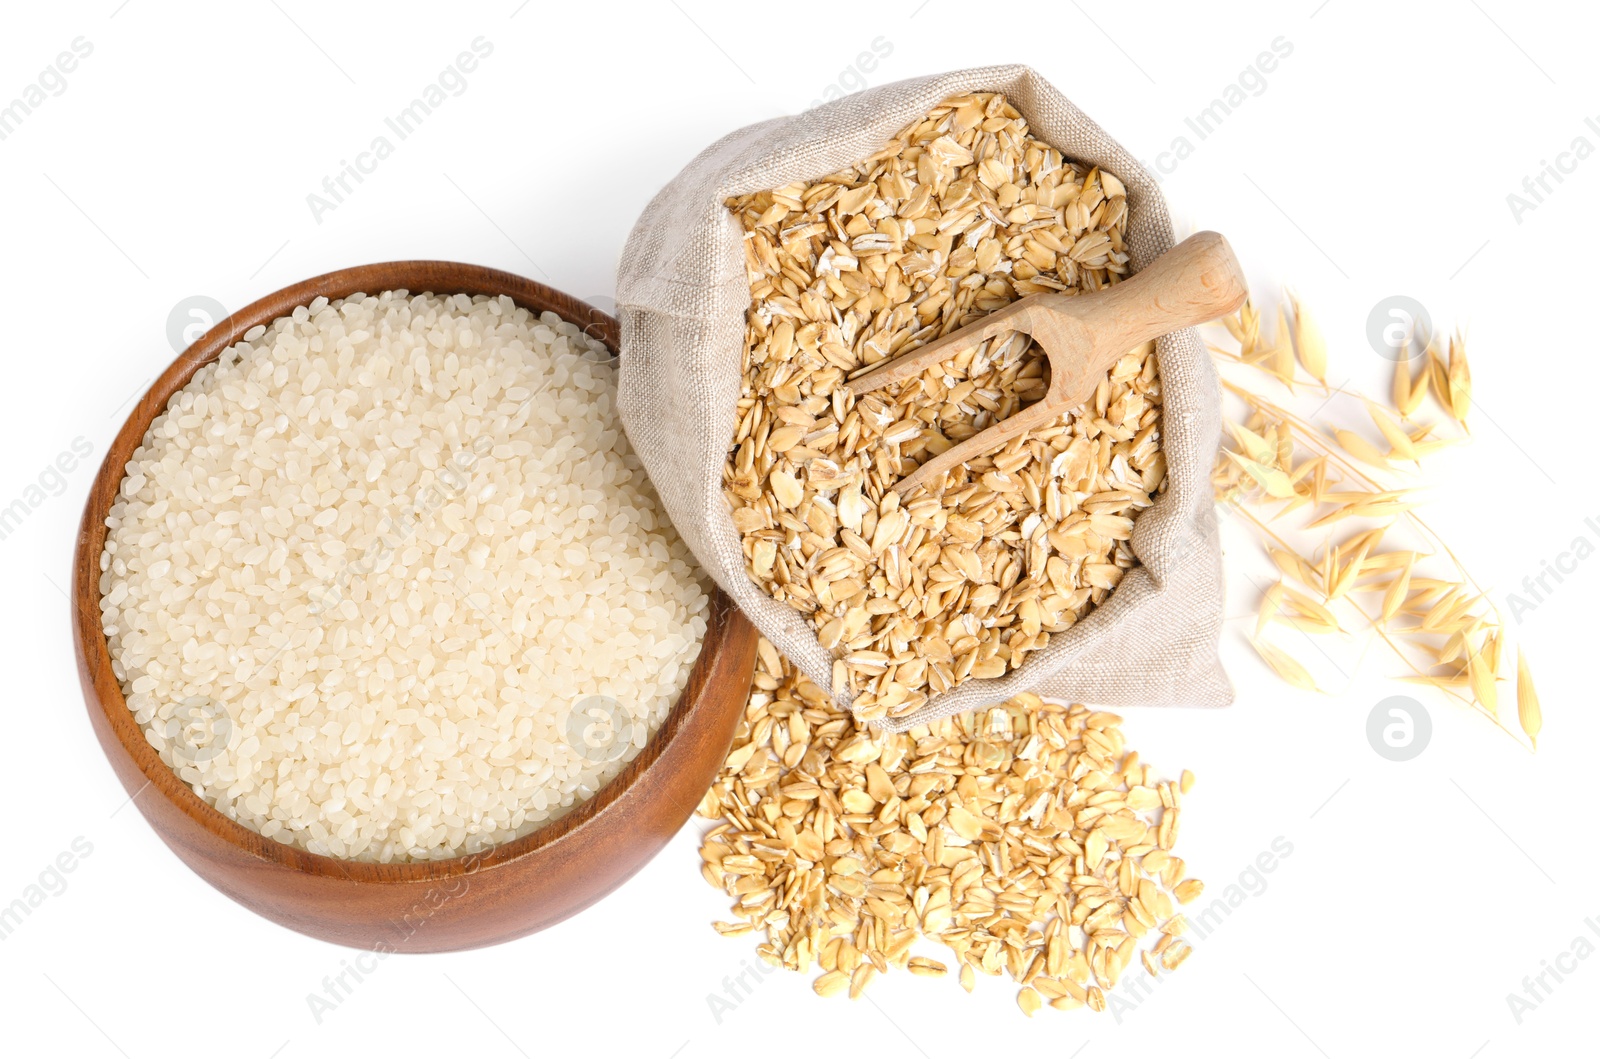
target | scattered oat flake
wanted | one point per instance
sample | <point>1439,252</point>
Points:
<point>831,984</point>
<point>846,896</point>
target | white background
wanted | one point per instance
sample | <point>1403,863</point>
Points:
<point>1377,161</point>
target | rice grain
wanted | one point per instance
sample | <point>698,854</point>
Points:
<point>386,582</point>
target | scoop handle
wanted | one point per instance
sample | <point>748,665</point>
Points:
<point>1196,281</point>
<point>1084,336</point>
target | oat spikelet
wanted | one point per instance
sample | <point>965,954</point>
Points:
<point>1274,481</point>
<point>1294,566</point>
<point>1407,398</point>
<point>1254,445</point>
<point>1283,352</point>
<point>1446,684</point>
<point>1494,647</point>
<point>1423,446</point>
<point>1271,600</point>
<point>1400,392</point>
<point>1241,325</point>
<point>1309,343</point>
<point>1439,376</point>
<point>1309,615</point>
<point>1400,445</point>
<point>1528,700</point>
<point>1442,628</point>
<point>1398,589</point>
<point>1346,574</point>
<point>1459,377</point>
<point>1482,679</point>
<point>1284,665</point>
<point>1386,562</point>
<point>1361,448</point>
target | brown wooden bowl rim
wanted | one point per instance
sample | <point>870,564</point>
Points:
<point>416,277</point>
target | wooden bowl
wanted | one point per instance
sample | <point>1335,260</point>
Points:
<point>500,894</point>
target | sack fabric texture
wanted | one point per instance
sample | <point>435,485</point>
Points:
<point>682,296</point>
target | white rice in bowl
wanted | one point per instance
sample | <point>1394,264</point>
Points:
<point>386,582</point>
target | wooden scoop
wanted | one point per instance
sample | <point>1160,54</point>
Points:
<point>1083,335</point>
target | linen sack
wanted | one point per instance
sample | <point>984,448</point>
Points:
<point>682,295</point>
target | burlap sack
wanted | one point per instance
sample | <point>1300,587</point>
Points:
<point>682,294</point>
